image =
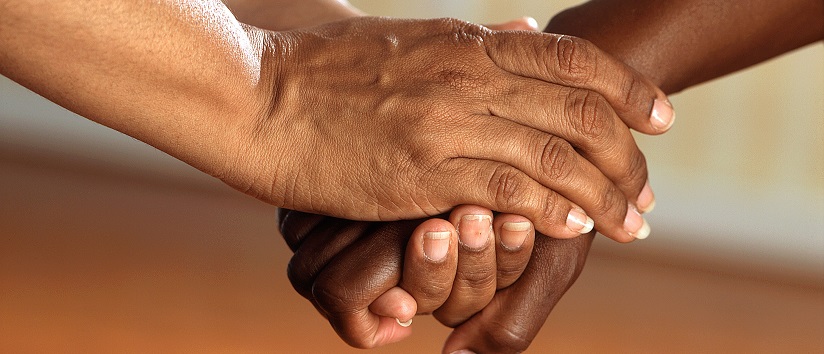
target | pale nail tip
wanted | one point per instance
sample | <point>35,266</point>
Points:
<point>463,351</point>
<point>477,217</point>
<point>644,232</point>
<point>649,207</point>
<point>660,122</point>
<point>404,324</point>
<point>588,226</point>
<point>518,226</point>
<point>438,235</point>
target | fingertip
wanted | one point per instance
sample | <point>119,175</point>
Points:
<point>435,237</point>
<point>531,22</point>
<point>662,116</point>
<point>474,226</point>
<point>395,309</point>
<point>514,231</point>
<point>463,210</point>
<point>390,331</point>
<point>395,303</point>
<point>525,23</point>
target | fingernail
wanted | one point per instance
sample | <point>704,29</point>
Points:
<point>436,245</point>
<point>579,222</point>
<point>513,234</point>
<point>531,22</point>
<point>474,231</point>
<point>463,351</point>
<point>663,115</point>
<point>635,225</point>
<point>404,324</point>
<point>646,200</point>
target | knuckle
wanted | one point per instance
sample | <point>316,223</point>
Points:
<point>557,159</point>
<point>333,296</point>
<point>478,278</point>
<point>300,279</point>
<point>295,226</point>
<point>610,202</point>
<point>633,96</point>
<point>435,291</point>
<point>636,171</point>
<point>575,60</point>
<point>510,337</point>
<point>466,33</point>
<point>509,272</point>
<point>591,114</point>
<point>505,187</point>
<point>549,210</point>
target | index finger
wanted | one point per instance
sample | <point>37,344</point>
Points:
<point>510,322</point>
<point>575,62</point>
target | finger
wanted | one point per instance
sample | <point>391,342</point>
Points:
<point>328,238</point>
<point>398,304</point>
<point>515,238</point>
<point>345,288</point>
<point>509,190</point>
<point>430,264</point>
<point>521,24</point>
<point>295,226</point>
<point>575,62</point>
<point>586,120</point>
<point>516,314</point>
<point>583,196</point>
<point>475,279</point>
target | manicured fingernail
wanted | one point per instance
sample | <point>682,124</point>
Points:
<point>635,225</point>
<point>646,199</point>
<point>663,115</point>
<point>474,231</point>
<point>463,351</point>
<point>436,245</point>
<point>404,324</point>
<point>579,222</point>
<point>513,234</point>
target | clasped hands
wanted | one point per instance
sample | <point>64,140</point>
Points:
<point>434,114</point>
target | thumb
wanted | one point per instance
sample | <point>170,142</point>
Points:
<point>525,23</point>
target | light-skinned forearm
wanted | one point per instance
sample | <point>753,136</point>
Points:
<point>174,74</point>
<point>682,43</point>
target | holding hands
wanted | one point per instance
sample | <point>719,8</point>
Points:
<point>378,120</point>
<point>386,120</point>
<point>494,296</point>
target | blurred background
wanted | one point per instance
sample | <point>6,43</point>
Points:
<point>107,245</point>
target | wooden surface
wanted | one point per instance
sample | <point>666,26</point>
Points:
<point>98,261</point>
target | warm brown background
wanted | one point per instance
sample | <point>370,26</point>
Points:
<point>96,260</point>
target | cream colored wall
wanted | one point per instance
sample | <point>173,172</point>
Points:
<point>742,171</point>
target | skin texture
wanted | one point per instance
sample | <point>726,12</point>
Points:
<point>654,45</point>
<point>722,36</point>
<point>362,309</point>
<point>560,145</point>
<point>241,98</point>
<point>394,119</point>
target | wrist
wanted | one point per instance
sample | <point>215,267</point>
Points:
<point>263,147</point>
<point>589,22</point>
